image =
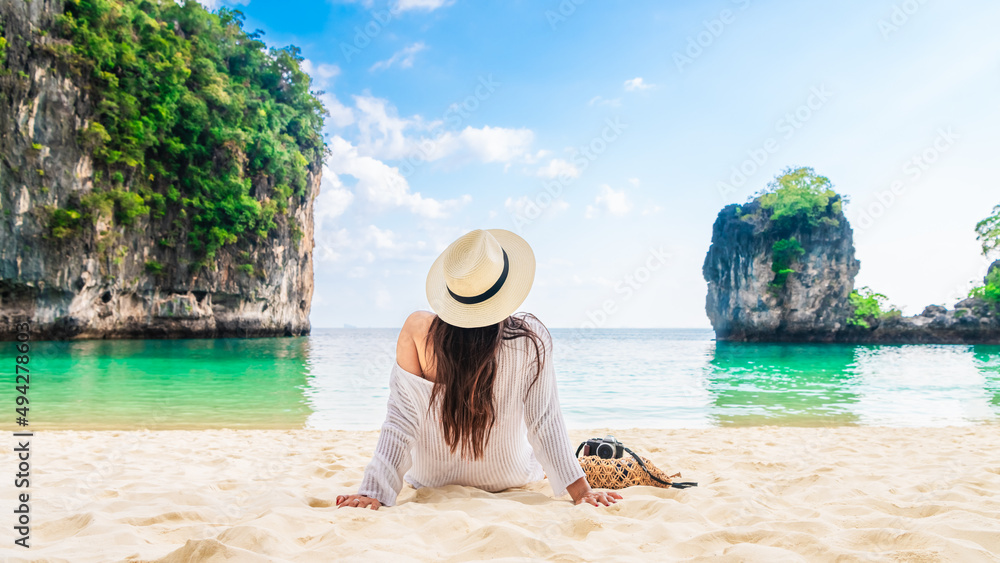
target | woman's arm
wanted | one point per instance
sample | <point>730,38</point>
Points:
<point>548,437</point>
<point>383,476</point>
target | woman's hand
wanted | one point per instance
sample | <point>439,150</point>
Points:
<point>359,501</point>
<point>607,498</point>
<point>581,492</point>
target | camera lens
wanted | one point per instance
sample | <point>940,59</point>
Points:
<point>605,451</point>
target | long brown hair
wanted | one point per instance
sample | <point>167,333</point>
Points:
<point>465,362</point>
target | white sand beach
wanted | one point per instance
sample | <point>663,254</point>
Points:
<point>769,494</point>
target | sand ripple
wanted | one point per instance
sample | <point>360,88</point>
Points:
<point>766,494</point>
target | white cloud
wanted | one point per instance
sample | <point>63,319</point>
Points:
<point>330,244</point>
<point>402,58</point>
<point>381,238</point>
<point>322,79</point>
<point>429,5</point>
<point>609,200</point>
<point>525,207</point>
<point>521,207</point>
<point>556,167</point>
<point>487,144</point>
<point>383,134</point>
<point>369,244</point>
<point>322,73</point>
<point>331,203</point>
<point>598,100</point>
<point>651,209</point>
<point>383,185</point>
<point>637,84</point>
<point>340,115</point>
<point>388,245</point>
<point>533,158</point>
<point>633,85</point>
<point>634,181</point>
<point>615,202</point>
<point>333,198</point>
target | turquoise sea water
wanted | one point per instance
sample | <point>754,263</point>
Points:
<point>337,378</point>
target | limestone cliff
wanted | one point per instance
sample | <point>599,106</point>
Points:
<point>812,304</point>
<point>111,280</point>
<point>748,300</point>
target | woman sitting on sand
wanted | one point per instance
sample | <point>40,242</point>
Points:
<point>488,375</point>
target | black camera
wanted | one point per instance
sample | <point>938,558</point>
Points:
<point>604,448</point>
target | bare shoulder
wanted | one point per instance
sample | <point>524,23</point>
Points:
<point>418,323</point>
<point>409,347</point>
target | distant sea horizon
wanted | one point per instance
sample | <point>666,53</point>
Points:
<point>610,377</point>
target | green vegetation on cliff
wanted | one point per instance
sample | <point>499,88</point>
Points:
<point>194,118</point>
<point>991,291</point>
<point>3,47</point>
<point>988,232</point>
<point>869,307</point>
<point>798,198</point>
<point>783,253</point>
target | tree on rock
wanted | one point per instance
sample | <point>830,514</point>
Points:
<point>989,232</point>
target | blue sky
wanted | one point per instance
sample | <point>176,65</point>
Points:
<point>451,116</point>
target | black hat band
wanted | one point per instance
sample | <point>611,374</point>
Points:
<point>489,292</point>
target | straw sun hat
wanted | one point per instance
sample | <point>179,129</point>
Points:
<point>481,278</point>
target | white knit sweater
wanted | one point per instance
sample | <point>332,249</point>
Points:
<point>529,429</point>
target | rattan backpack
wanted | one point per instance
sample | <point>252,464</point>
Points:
<point>607,468</point>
